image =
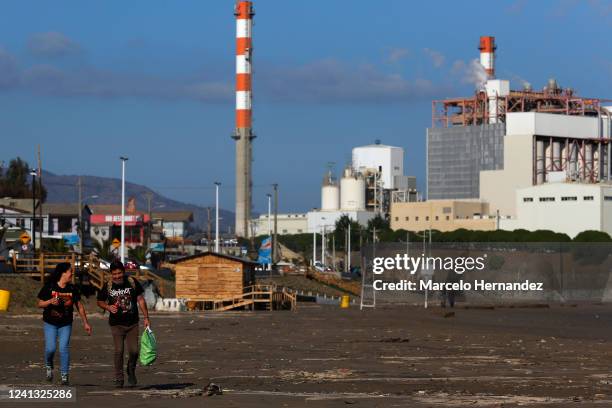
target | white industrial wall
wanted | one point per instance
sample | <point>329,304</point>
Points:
<point>286,224</point>
<point>316,219</point>
<point>549,124</point>
<point>569,217</point>
<point>390,158</point>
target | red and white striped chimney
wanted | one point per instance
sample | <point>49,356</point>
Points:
<point>244,24</point>
<point>487,55</point>
<point>244,132</point>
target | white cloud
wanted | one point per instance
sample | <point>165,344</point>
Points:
<point>52,44</point>
<point>437,58</point>
<point>397,54</point>
<point>332,81</point>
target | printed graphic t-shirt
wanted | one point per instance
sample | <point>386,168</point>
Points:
<point>60,314</point>
<point>124,296</point>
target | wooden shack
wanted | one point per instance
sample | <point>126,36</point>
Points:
<point>213,277</point>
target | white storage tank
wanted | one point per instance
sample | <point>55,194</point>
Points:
<point>330,194</point>
<point>352,191</point>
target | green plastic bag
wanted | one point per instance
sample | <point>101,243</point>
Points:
<point>148,347</point>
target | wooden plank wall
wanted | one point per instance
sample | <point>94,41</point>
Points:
<point>209,278</point>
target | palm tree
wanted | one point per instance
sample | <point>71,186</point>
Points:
<point>103,249</point>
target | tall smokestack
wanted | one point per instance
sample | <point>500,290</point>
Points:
<point>487,55</point>
<point>244,132</point>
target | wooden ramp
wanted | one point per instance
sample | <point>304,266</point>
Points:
<point>270,296</point>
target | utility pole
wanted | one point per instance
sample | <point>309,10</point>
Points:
<point>208,237</point>
<point>314,248</point>
<point>217,184</point>
<point>349,248</point>
<point>33,173</point>
<point>323,260</point>
<point>334,251</point>
<point>275,240</point>
<point>40,189</point>
<point>270,226</point>
<point>80,218</point>
<point>149,197</point>
<point>122,249</point>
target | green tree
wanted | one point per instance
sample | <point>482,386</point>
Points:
<point>138,253</point>
<point>103,249</point>
<point>15,181</point>
<point>592,236</point>
<point>341,229</point>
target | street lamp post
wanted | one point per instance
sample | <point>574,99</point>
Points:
<point>270,228</point>
<point>217,184</point>
<point>33,219</point>
<point>122,248</point>
<point>323,260</point>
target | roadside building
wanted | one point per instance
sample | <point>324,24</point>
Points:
<point>17,212</point>
<point>174,224</point>
<point>105,224</point>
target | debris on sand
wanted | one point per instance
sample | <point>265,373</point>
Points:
<point>213,389</point>
<point>308,376</point>
<point>394,340</point>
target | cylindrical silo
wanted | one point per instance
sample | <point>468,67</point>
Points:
<point>352,191</point>
<point>556,152</point>
<point>330,194</point>
<point>540,161</point>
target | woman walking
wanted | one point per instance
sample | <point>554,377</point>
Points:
<point>58,298</point>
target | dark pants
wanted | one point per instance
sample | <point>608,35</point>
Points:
<point>128,335</point>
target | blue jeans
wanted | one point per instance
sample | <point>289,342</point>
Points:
<point>52,333</point>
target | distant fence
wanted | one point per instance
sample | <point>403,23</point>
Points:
<point>567,271</point>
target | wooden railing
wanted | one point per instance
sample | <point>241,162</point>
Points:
<point>98,276</point>
<point>41,263</point>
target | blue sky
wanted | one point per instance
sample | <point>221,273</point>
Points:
<point>153,80</point>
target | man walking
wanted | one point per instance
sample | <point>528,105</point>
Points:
<point>121,297</point>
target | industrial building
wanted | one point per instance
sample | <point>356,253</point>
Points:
<point>375,173</point>
<point>502,144</point>
<point>544,147</point>
<point>562,207</point>
<point>382,169</point>
<point>348,197</point>
<point>468,135</point>
<point>290,223</point>
<point>442,215</point>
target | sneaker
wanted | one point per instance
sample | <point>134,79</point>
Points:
<point>132,378</point>
<point>65,380</point>
<point>118,383</point>
<point>49,375</point>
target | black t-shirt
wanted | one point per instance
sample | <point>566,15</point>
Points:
<point>124,296</point>
<point>60,314</point>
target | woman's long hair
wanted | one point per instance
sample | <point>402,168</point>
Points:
<point>60,269</point>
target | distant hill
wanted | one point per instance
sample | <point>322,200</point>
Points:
<point>62,189</point>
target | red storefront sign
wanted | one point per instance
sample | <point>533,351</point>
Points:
<point>130,220</point>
